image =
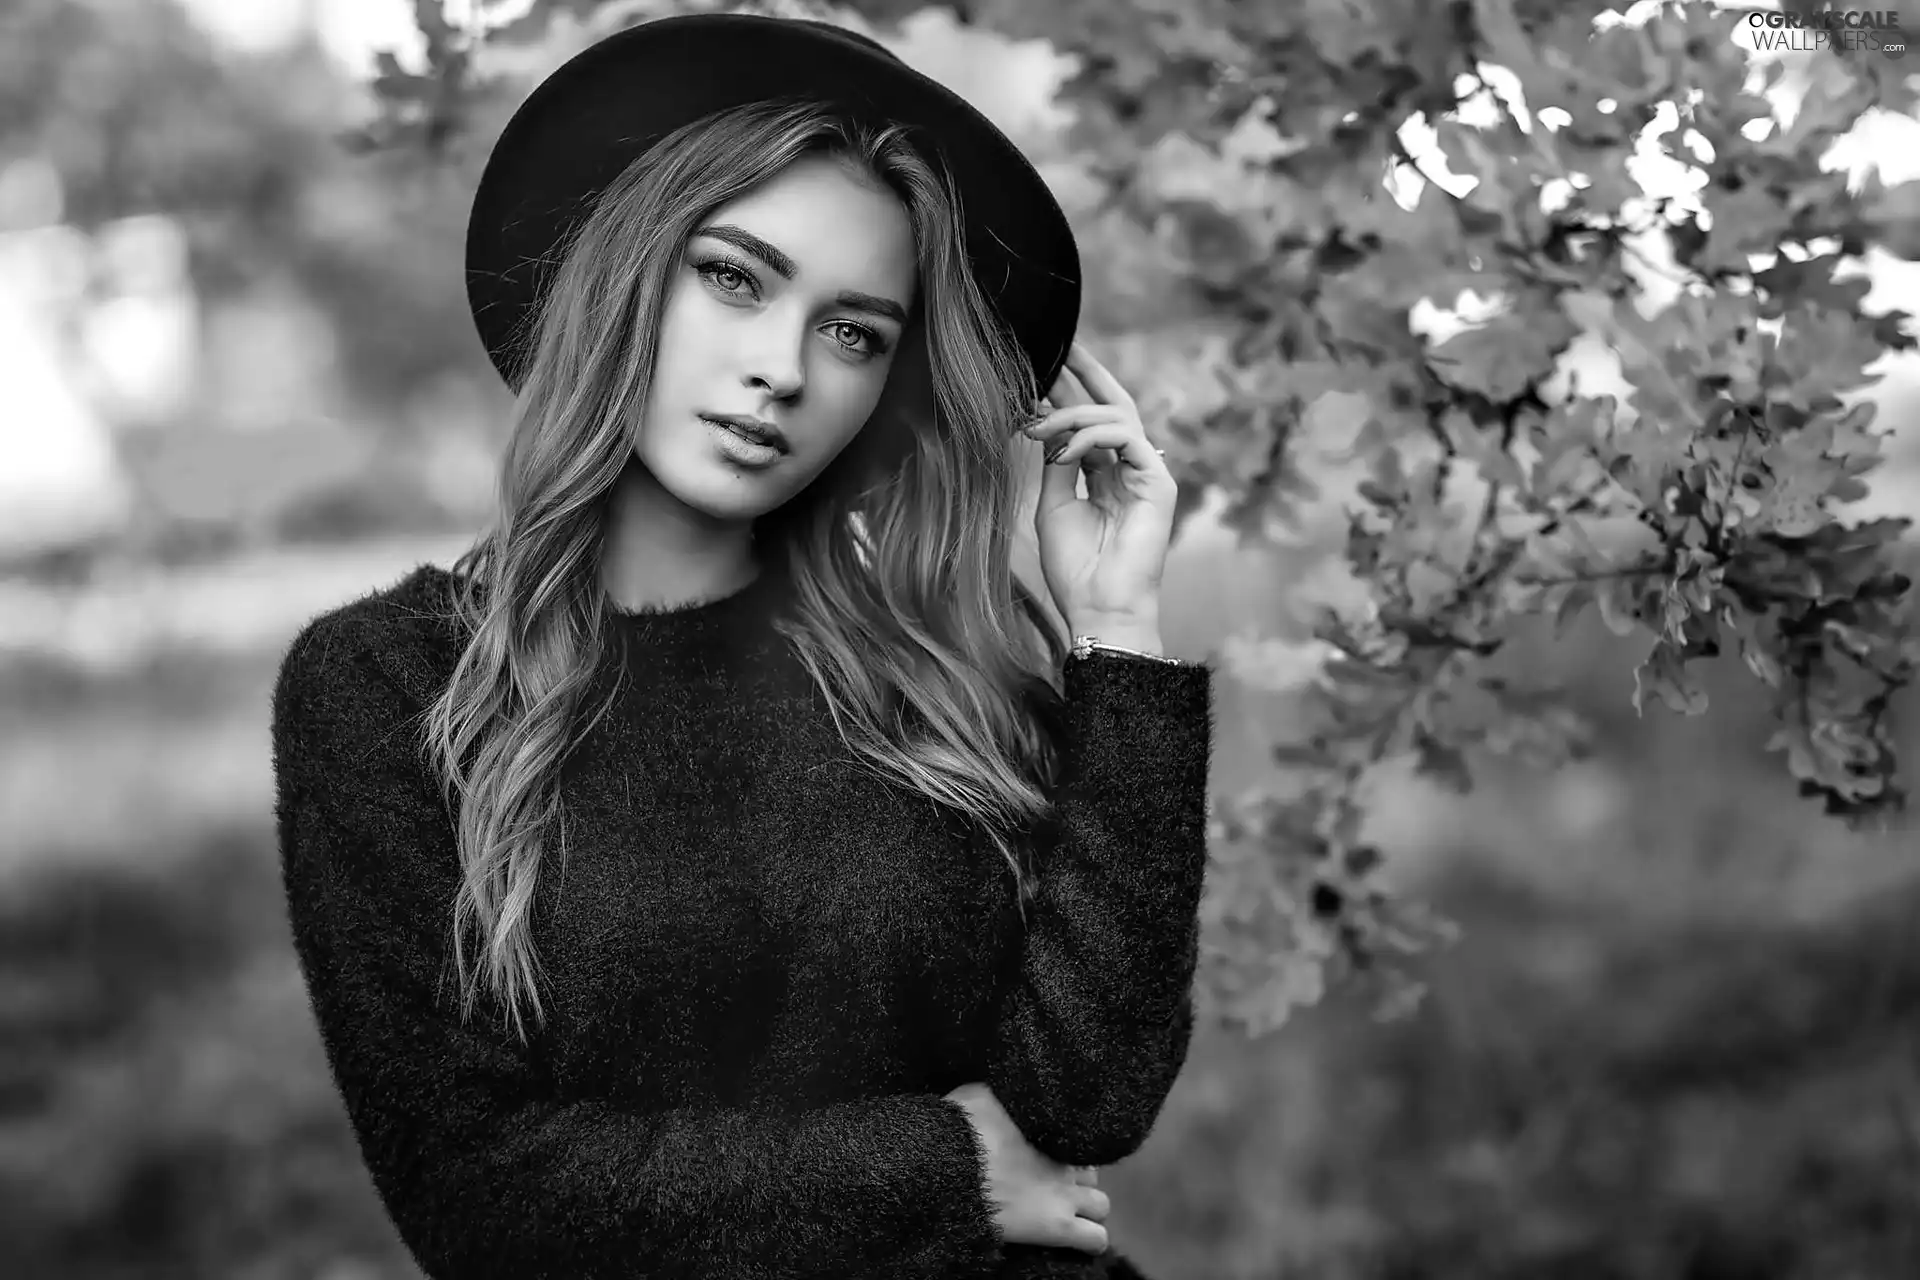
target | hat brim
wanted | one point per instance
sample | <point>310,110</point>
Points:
<point>585,123</point>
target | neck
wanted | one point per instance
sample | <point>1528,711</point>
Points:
<point>658,553</point>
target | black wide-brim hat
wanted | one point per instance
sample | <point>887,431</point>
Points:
<point>585,123</point>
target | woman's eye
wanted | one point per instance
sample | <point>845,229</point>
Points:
<point>713,271</point>
<point>844,328</point>
<point>731,278</point>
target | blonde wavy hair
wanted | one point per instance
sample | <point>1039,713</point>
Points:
<point>938,665</point>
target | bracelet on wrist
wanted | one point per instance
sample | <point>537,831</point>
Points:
<point>1089,646</point>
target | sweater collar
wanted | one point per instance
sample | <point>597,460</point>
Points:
<point>707,635</point>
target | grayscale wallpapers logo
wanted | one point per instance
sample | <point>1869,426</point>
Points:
<point>1841,31</point>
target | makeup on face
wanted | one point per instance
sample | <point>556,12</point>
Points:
<point>738,448</point>
<point>779,331</point>
<point>877,342</point>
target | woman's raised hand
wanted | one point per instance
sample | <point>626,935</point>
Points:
<point>1103,555</point>
<point>1036,1200</point>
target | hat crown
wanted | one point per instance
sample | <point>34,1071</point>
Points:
<point>593,116</point>
<point>846,33</point>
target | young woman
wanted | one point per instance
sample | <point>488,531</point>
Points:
<point>833,918</point>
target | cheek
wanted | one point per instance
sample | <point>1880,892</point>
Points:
<point>685,330</point>
<point>855,395</point>
<point>681,356</point>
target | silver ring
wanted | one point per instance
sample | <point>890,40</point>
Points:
<point>1161,452</point>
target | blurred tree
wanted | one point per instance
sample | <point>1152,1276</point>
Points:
<point>1259,141</point>
<point>140,113</point>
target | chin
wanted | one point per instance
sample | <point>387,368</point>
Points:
<point>734,499</point>
<point>724,492</point>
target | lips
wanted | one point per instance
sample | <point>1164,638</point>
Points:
<point>755,429</point>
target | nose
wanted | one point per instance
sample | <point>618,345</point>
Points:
<point>773,360</point>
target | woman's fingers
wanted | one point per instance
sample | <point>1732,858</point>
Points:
<point>1079,415</point>
<point>1058,427</point>
<point>1127,440</point>
<point>1134,462</point>
<point>1064,1214</point>
<point>1095,377</point>
<point>1091,1202</point>
<point>1068,390</point>
<point>1086,395</point>
<point>1083,1233</point>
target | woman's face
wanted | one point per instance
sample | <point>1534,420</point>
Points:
<point>786,305</point>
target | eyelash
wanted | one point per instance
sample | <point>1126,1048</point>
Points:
<point>714,266</point>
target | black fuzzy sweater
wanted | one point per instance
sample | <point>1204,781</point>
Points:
<point>765,964</point>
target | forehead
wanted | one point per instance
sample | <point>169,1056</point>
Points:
<point>841,228</point>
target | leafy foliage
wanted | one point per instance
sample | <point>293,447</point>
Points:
<point>1699,505</point>
<point>139,111</point>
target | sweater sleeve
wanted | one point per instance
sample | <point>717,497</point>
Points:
<point>1094,1028</point>
<point>483,1170</point>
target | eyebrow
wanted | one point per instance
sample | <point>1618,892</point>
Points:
<point>785,267</point>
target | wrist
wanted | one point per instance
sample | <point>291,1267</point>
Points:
<point>1136,633</point>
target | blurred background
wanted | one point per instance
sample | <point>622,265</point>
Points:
<point>1678,1038</point>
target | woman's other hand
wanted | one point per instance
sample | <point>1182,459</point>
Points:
<point>1036,1200</point>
